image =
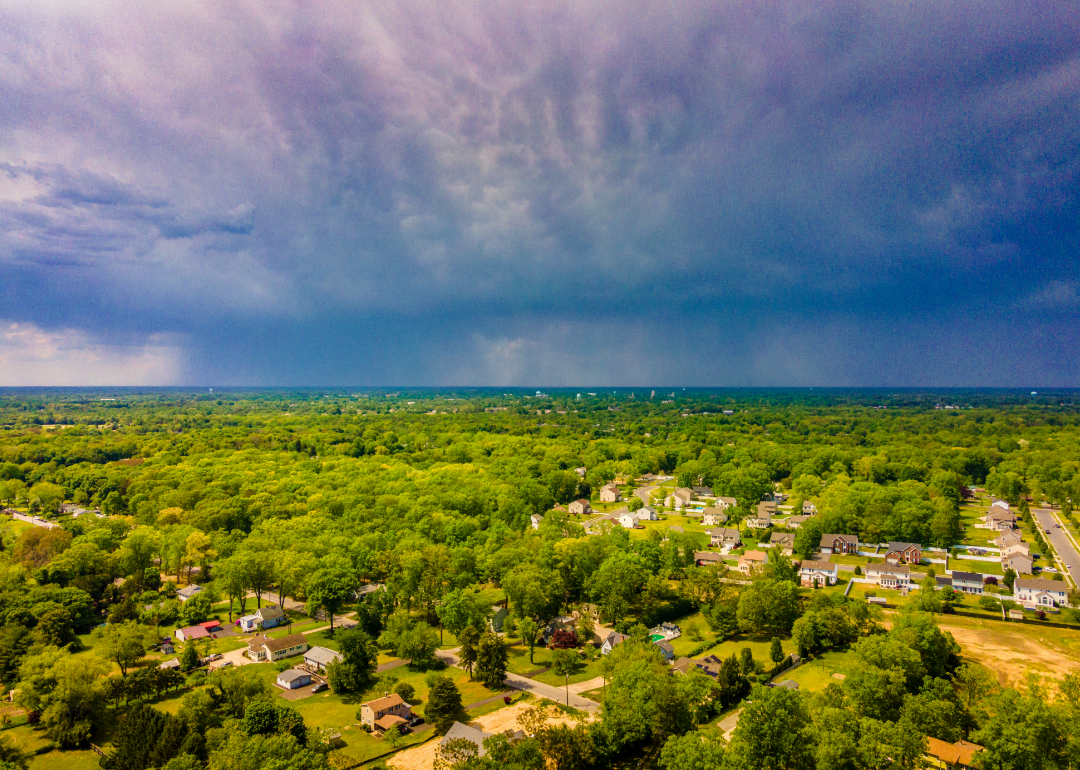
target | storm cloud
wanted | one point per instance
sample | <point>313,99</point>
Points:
<point>722,193</point>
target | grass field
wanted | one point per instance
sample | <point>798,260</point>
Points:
<point>817,673</point>
<point>968,565</point>
<point>66,760</point>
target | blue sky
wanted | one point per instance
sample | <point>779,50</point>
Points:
<point>439,193</point>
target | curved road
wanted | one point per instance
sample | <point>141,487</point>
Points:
<point>1059,540</point>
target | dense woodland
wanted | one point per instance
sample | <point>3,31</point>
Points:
<point>309,495</point>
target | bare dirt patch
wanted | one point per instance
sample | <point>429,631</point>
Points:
<point>1012,656</point>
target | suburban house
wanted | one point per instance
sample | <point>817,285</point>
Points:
<point>999,520</point>
<point>710,517</point>
<point>818,573</point>
<point>1015,548</point>
<point>709,665</point>
<point>364,591</point>
<point>666,650</point>
<point>646,513</point>
<point>794,522</point>
<point>967,582</point>
<point>700,492</point>
<point>753,561</point>
<point>679,497</point>
<point>383,713</point>
<point>535,520</point>
<point>839,543</point>
<point>318,658</point>
<point>561,623</point>
<point>1039,592</point>
<point>293,678</point>
<point>498,617</point>
<point>262,647</point>
<point>579,507</point>
<point>666,630</point>
<point>998,503</point>
<point>785,541</point>
<point>889,575</point>
<point>267,617</point>
<point>580,472</point>
<point>704,558</point>
<point>1008,537</point>
<point>903,553</point>
<point>951,756</point>
<point>186,593</point>
<point>174,663</point>
<point>189,633</point>
<point>1020,563</point>
<point>724,537</point>
<point>809,508</point>
<point>611,640</point>
<point>590,610</point>
<point>609,493</point>
<point>474,735</point>
<point>763,519</point>
<point>628,520</point>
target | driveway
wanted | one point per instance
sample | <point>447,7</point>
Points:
<point>1059,540</point>
<point>539,689</point>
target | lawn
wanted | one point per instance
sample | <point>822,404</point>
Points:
<point>66,760</point>
<point>588,669</point>
<point>518,659</point>
<point>817,673</point>
<point>969,565</point>
<point>760,646</point>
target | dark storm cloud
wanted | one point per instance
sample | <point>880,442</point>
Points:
<point>709,193</point>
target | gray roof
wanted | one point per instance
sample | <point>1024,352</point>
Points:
<point>1042,584</point>
<point>896,545</point>
<point>823,564</point>
<point>970,577</point>
<point>292,674</point>
<point>460,731</point>
<point>188,592</point>
<point>943,580</point>
<point>322,655</point>
<point>889,569</point>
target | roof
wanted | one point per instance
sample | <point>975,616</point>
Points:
<point>754,556</point>
<point>724,532</point>
<point>211,624</point>
<point>388,721</point>
<point>707,556</point>
<point>284,643</point>
<point>823,564</point>
<point>194,632</point>
<point>943,580</point>
<point>830,539</point>
<point>782,537</point>
<point>889,569</point>
<point>951,753</point>
<point>714,511</point>
<point>174,663</point>
<point>971,577</point>
<point>269,612</point>
<point>999,514</point>
<point>1042,584</point>
<point>464,732</point>
<point>292,675</point>
<point>189,591</point>
<point>615,638</point>
<point>729,501</point>
<point>766,506</point>
<point>385,702</point>
<point>896,545</point>
<point>666,647</point>
<point>322,655</point>
<point>583,501</point>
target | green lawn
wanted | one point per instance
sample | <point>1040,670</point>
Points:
<point>760,646</point>
<point>816,674</point>
<point>968,565</point>
<point>589,669</point>
<point>66,760</point>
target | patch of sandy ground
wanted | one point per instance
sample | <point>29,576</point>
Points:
<point>1013,656</point>
<point>422,757</point>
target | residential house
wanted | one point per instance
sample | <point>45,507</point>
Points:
<point>809,508</point>
<point>709,665</point>
<point>666,630</point>
<point>579,507</point>
<point>821,572</point>
<point>367,590</point>
<point>611,640</point>
<point>710,517</point>
<point>794,522</point>
<point>292,678</point>
<point>561,623</point>
<point>580,472</point>
<point>1020,563</point>
<point>890,575</point>
<point>318,658</point>
<point>679,498</point>
<point>1015,548</point>
<point>999,520</point>
<point>967,582</point>
<point>998,503</point>
<point>753,561</point>
<point>174,663</point>
<point>374,713</point>
<point>609,493</point>
<point>725,502</point>
<point>187,592</point>
<point>839,544</point>
<point>263,648</point>
<point>498,617</point>
<point>535,520</point>
<point>266,617</point>
<point>951,756</point>
<point>785,541</point>
<point>700,492</point>
<point>591,610</point>
<point>704,558</point>
<point>646,513</point>
<point>189,633</point>
<point>1008,537</point>
<point>462,732</point>
<point>628,520</point>
<point>666,650</point>
<point>903,553</point>
<point>1037,593</point>
<point>724,537</point>
<point>763,518</point>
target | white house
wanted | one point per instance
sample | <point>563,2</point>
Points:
<point>713,516</point>
<point>752,561</point>
<point>724,537</point>
<point>187,592</point>
<point>293,678</point>
<point>646,513</point>
<point>679,497</point>
<point>579,507</point>
<point>818,573</point>
<point>666,630</point>
<point>628,520</point>
<point>612,639</point>
<point>266,617</point>
<point>967,582</point>
<point>1038,593</point>
<point>890,575</point>
<point>535,520</point>
<point>318,658</point>
<point>763,520</point>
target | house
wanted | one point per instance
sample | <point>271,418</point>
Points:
<point>590,610</point>
<point>266,617</point>
<point>666,630</point>
<point>998,503</point>
<point>318,658</point>
<point>364,591</point>
<point>535,520</point>
<point>646,513</point>
<point>1038,593</point>
<point>785,541</point>
<point>700,492</point>
<point>818,573</point>
<point>579,507</point>
<point>1014,548</point>
<point>679,498</point>
<point>724,537</point>
<point>1008,537</point>
<point>476,736</point>
<point>174,663</point>
<point>1020,563</point>
<point>498,617</point>
<point>753,561</point>
<point>809,508</point>
<point>999,520</point>
<point>839,544</point>
<point>186,593</point>
<point>292,678</point>
<point>951,756</point>
<point>263,648</point>
<point>666,650</point>
<point>710,517</point>
<point>967,582</point>
<point>374,713</point>
<point>609,493</point>
<point>561,623</point>
<point>903,553</point>
<point>611,640</point>
<point>628,520</point>
<point>794,522</point>
<point>580,472</point>
<point>763,519</point>
<point>189,633</point>
<point>704,558</point>
<point>890,575</point>
<point>726,502</point>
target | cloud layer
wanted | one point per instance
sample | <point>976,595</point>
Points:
<point>551,193</point>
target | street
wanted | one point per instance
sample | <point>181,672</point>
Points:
<point>1059,541</point>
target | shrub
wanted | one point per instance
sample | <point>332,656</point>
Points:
<point>405,690</point>
<point>858,570</point>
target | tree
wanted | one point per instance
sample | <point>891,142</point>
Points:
<point>773,732</point>
<point>776,651</point>
<point>65,691</point>
<point>124,644</point>
<point>444,703</point>
<point>196,609</point>
<point>461,609</point>
<point>491,661</point>
<point>1022,732</point>
<point>418,644</point>
<point>1009,579</point>
<point>330,588</point>
<point>189,658</point>
<point>529,630</point>
<point>565,663</point>
<point>974,683</point>
<point>469,639</point>
<point>693,751</point>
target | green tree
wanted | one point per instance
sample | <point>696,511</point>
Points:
<point>469,639</point>
<point>125,644</point>
<point>196,609</point>
<point>189,657</point>
<point>444,705</point>
<point>329,589</point>
<point>529,630</point>
<point>693,751</point>
<point>1022,732</point>
<point>491,661</point>
<point>565,664</point>
<point>776,651</point>
<point>773,732</point>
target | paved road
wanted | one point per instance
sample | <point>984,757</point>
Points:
<point>518,682</point>
<point>1059,541</point>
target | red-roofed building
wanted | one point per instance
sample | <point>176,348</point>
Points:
<point>191,632</point>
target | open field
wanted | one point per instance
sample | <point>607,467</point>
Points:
<point>1012,650</point>
<point>817,673</point>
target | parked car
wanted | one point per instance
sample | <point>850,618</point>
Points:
<point>416,721</point>
<point>319,687</point>
<point>212,658</point>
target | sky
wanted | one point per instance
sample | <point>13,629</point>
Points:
<point>540,193</point>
